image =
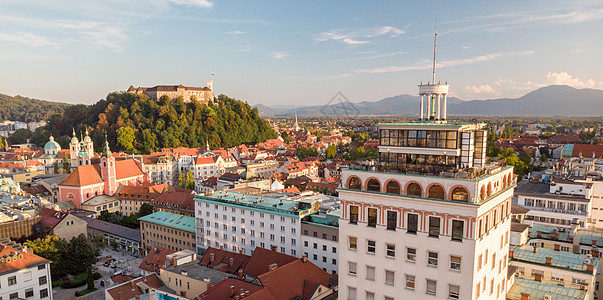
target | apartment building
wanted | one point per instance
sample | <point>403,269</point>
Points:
<point>167,230</point>
<point>320,240</point>
<point>241,222</point>
<point>23,275</point>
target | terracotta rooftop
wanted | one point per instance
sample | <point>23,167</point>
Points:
<point>155,259</point>
<point>225,261</point>
<point>182,199</point>
<point>132,289</point>
<point>19,259</point>
<point>262,258</point>
<point>83,176</point>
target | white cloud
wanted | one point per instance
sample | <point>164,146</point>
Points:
<point>360,36</point>
<point>25,38</point>
<point>278,55</point>
<point>482,89</point>
<point>563,78</point>
<point>198,3</point>
<point>236,32</point>
<point>426,65</point>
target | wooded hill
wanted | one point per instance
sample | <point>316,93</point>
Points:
<point>134,123</point>
<point>25,109</point>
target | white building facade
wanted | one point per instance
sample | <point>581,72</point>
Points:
<point>241,222</point>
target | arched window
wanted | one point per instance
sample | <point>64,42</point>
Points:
<point>414,189</point>
<point>460,194</point>
<point>482,192</point>
<point>393,187</point>
<point>373,185</point>
<point>504,181</point>
<point>436,191</point>
<point>489,192</point>
<point>354,183</point>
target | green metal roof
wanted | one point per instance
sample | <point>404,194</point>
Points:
<point>568,149</point>
<point>563,260</point>
<point>586,236</point>
<point>537,290</point>
<point>171,220</point>
<point>273,205</point>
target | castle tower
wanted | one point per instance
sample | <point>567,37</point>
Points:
<point>108,170</point>
<point>74,149</point>
<point>435,94</point>
<point>88,146</point>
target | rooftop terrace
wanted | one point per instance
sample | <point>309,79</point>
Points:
<point>274,205</point>
<point>171,220</point>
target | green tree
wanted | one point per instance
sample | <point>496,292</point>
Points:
<point>126,139</point>
<point>543,158</point>
<point>66,165</point>
<point>186,181</point>
<point>492,150</point>
<point>286,137</point>
<point>145,209</point>
<point>130,221</point>
<point>331,151</point>
<point>305,152</point>
<point>99,243</point>
<point>55,167</point>
<point>20,136</point>
<point>1,143</point>
<point>90,279</point>
<point>80,253</point>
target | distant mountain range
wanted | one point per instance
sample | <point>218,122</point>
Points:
<point>554,100</point>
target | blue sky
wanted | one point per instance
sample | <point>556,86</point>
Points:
<point>297,52</point>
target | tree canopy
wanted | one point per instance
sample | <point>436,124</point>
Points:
<point>25,109</point>
<point>135,123</point>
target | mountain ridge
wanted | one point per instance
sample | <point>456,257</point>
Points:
<point>553,100</point>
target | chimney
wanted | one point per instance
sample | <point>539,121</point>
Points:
<point>548,260</point>
<point>539,234</point>
<point>590,268</point>
<point>272,267</point>
<point>174,261</point>
<point>274,248</point>
<point>511,254</point>
<point>594,242</point>
<point>212,256</point>
<point>231,261</point>
<point>535,249</point>
<point>304,259</point>
<point>525,296</point>
<point>240,274</point>
<point>557,247</point>
<point>232,290</point>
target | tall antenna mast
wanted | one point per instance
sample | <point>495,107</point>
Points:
<point>435,40</point>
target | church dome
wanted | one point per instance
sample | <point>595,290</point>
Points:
<point>51,144</point>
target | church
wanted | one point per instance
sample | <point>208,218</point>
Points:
<point>103,177</point>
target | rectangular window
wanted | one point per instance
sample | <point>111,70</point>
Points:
<point>411,254</point>
<point>390,250</point>
<point>29,293</point>
<point>389,277</point>
<point>410,282</point>
<point>431,287</point>
<point>453,291</point>
<point>370,247</point>
<point>353,214</point>
<point>370,273</point>
<point>455,263</point>
<point>392,218</point>
<point>457,230</point>
<point>372,217</point>
<point>352,268</point>
<point>432,259</point>
<point>370,295</point>
<point>413,223</point>
<point>351,293</point>
<point>434,226</point>
<point>353,242</point>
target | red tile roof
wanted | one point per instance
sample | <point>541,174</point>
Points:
<point>587,150</point>
<point>83,176</point>
<point>20,259</point>
<point>206,160</point>
<point>155,259</point>
<point>292,189</point>
<point>262,258</point>
<point>182,199</point>
<point>137,192</point>
<point>225,261</point>
<point>51,218</point>
<point>130,289</point>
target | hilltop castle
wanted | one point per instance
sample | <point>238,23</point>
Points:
<point>203,94</point>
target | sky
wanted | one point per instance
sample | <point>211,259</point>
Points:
<point>297,52</point>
